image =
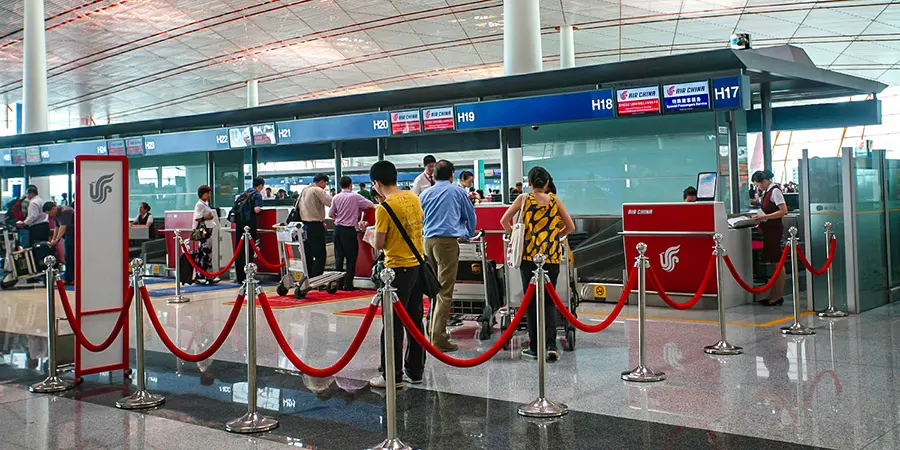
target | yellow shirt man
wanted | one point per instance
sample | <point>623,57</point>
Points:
<point>408,209</point>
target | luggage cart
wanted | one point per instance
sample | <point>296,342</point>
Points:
<point>565,287</point>
<point>293,273</point>
<point>20,263</point>
<point>477,294</point>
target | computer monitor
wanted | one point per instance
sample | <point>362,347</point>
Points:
<point>706,186</point>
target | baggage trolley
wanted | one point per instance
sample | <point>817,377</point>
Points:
<point>293,273</point>
<point>565,287</point>
<point>477,294</point>
<point>21,263</point>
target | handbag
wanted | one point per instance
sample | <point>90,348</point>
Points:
<point>516,246</point>
<point>430,283</point>
<point>200,232</point>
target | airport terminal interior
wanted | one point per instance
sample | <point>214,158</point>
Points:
<point>619,224</point>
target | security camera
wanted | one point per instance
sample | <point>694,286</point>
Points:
<point>535,127</point>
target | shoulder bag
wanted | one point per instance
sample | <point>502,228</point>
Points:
<point>516,246</point>
<point>201,232</point>
<point>430,283</point>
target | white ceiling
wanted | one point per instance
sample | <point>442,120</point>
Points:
<point>125,60</point>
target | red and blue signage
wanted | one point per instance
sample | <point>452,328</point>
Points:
<point>686,96</point>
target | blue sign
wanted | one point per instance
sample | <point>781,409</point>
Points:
<point>518,112</point>
<point>686,96</point>
<point>57,153</point>
<point>189,141</point>
<point>337,128</point>
<point>730,93</point>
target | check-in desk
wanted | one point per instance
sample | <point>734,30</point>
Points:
<point>679,238</point>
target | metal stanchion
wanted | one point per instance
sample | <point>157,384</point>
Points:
<point>178,298</point>
<point>541,407</point>
<point>831,312</point>
<point>642,373</point>
<point>796,328</point>
<point>253,421</point>
<point>388,295</point>
<point>141,398</point>
<point>53,383</point>
<point>722,347</point>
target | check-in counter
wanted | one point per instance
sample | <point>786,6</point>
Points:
<point>266,220</point>
<point>182,221</point>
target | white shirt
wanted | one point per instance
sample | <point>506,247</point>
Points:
<point>202,209</point>
<point>777,196</point>
<point>422,182</point>
<point>36,212</point>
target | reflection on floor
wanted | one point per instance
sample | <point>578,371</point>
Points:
<point>838,389</point>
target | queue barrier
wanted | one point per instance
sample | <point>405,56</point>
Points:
<point>538,290</point>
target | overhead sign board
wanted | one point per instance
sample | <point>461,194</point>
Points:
<point>518,112</point>
<point>335,128</point>
<point>115,147</point>
<point>188,141</point>
<point>134,146</point>
<point>406,122</point>
<point>639,100</point>
<point>731,92</point>
<point>686,96</point>
<point>239,137</point>
<point>264,134</point>
<point>18,156</point>
<point>33,155</point>
<point>438,119</point>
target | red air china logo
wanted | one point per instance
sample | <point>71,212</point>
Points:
<point>427,114</point>
<point>623,95</point>
<point>671,90</point>
<point>395,117</point>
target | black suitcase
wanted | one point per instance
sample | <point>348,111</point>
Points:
<point>186,271</point>
<point>40,251</point>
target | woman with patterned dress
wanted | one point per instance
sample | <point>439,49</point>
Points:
<point>203,252</point>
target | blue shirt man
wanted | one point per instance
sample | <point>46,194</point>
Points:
<point>449,217</point>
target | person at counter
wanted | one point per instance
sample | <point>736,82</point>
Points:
<point>144,218</point>
<point>36,220</point>
<point>365,193</point>
<point>425,179</point>
<point>65,229</point>
<point>311,206</point>
<point>268,195</point>
<point>689,195</point>
<point>281,195</point>
<point>773,208</point>
<point>466,179</point>
<point>204,216</point>
<point>246,207</point>
<point>345,210</point>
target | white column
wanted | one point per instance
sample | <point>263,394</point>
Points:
<point>34,77</point>
<point>566,47</point>
<point>515,166</point>
<point>252,93</point>
<point>522,37</point>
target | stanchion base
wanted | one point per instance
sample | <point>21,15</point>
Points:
<point>140,400</point>
<point>177,299</point>
<point>723,348</point>
<point>798,329</point>
<point>252,422</point>
<point>543,408</point>
<point>832,313</point>
<point>50,385</point>
<point>391,444</point>
<point>642,374</point>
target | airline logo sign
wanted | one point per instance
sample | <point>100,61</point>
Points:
<point>405,122</point>
<point>686,96</point>
<point>638,101</point>
<point>438,119</point>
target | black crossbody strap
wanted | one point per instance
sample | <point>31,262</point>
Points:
<point>403,233</point>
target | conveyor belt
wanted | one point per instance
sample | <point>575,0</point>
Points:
<point>600,258</point>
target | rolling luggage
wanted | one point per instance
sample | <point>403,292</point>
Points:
<point>186,270</point>
<point>40,251</point>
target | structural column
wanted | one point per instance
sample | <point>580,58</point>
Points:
<point>252,93</point>
<point>338,163</point>
<point>522,37</point>
<point>566,47</point>
<point>34,77</point>
<point>765,100</point>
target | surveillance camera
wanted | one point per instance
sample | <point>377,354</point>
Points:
<point>535,127</point>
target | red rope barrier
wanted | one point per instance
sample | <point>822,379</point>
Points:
<point>632,280</point>
<point>260,257</point>
<point>296,361</point>
<point>760,290</point>
<point>809,267</point>
<point>173,347</point>
<point>710,270</point>
<point>465,363</point>
<point>187,253</point>
<point>73,322</point>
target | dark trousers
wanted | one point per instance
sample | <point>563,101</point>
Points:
<point>346,247</point>
<point>527,269</point>
<point>409,294</point>
<point>69,247</point>
<point>315,248</point>
<point>40,232</point>
<point>242,259</point>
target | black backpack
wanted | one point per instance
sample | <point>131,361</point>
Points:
<point>239,212</point>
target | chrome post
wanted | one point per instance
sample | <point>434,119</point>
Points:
<point>390,399</point>
<point>541,407</point>
<point>831,312</point>
<point>141,398</point>
<point>642,373</point>
<point>53,383</point>
<point>253,421</point>
<point>248,252</point>
<point>178,298</point>
<point>722,347</point>
<point>796,328</point>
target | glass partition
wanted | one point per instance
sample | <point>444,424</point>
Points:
<point>826,203</point>
<point>892,178</point>
<point>166,182</point>
<point>228,177</point>
<point>871,237</point>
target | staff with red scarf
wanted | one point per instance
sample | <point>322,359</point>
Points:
<point>772,209</point>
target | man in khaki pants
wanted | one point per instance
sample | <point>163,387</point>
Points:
<point>449,218</point>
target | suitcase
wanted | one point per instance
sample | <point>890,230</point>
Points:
<point>186,271</point>
<point>40,251</point>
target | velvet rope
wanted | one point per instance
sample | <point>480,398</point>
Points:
<point>760,290</point>
<point>73,322</point>
<point>187,253</point>
<point>263,261</point>
<point>296,361</point>
<point>554,296</point>
<point>173,347</point>
<point>809,267</point>
<point>449,360</point>
<point>710,271</point>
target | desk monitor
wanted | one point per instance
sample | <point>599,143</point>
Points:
<point>706,186</point>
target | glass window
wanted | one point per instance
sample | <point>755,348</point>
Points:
<point>166,183</point>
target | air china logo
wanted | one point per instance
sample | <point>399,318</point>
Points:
<point>669,259</point>
<point>671,90</point>
<point>101,188</point>
<point>428,114</point>
<point>623,95</point>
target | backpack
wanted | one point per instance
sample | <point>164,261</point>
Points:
<point>240,210</point>
<point>14,212</point>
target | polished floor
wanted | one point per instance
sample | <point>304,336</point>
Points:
<point>838,389</point>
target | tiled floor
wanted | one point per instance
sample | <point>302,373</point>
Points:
<point>838,389</point>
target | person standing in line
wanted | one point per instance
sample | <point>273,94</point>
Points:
<point>64,201</point>
<point>449,219</point>
<point>402,258</point>
<point>366,194</point>
<point>65,229</point>
<point>546,222</point>
<point>345,210</point>
<point>246,208</point>
<point>36,220</point>
<point>206,217</point>
<point>425,179</point>
<point>311,206</point>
